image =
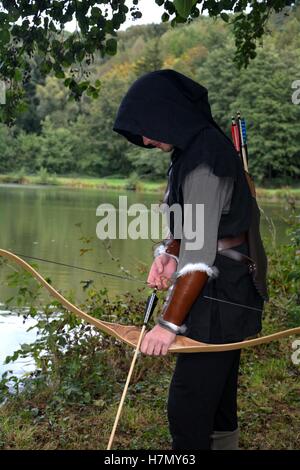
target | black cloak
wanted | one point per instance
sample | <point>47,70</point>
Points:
<point>166,106</point>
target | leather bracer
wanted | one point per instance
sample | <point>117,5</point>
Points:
<point>172,246</point>
<point>182,296</point>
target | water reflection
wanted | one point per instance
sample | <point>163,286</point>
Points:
<point>13,333</point>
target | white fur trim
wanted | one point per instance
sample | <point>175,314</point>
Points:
<point>212,271</point>
<point>161,249</point>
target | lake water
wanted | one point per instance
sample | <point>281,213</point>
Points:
<point>13,333</point>
<point>57,223</point>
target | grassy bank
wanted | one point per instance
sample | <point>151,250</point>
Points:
<point>120,184</point>
<point>268,407</point>
<point>278,194</point>
<point>123,184</point>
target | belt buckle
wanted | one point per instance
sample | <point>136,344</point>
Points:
<point>252,268</point>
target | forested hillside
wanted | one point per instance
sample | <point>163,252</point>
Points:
<point>67,137</point>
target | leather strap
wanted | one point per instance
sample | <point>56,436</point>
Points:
<point>225,246</point>
<point>172,246</point>
<point>237,256</point>
<point>230,242</point>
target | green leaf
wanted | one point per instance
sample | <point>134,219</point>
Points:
<point>96,12</point>
<point>26,347</point>
<point>14,15</point>
<point>4,36</point>
<point>225,17</point>
<point>68,81</point>
<point>60,74</point>
<point>111,46</point>
<point>68,59</point>
<point>84,85</point>
<point>46,67</point>
<point>80,55</point>
<point>184,7</point>
<point>18,75</point>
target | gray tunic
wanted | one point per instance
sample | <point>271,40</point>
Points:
<point>201,186</point>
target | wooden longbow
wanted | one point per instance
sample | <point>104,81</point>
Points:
<point>130,334</point>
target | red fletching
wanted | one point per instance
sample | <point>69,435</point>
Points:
<point>235,135</point>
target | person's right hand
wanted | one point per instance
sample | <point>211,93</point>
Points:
<point>161,271</point>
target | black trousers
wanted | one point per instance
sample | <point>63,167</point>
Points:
<point>202,398</point>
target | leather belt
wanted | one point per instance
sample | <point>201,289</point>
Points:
<point>225,246</point>
<point>230,242</point>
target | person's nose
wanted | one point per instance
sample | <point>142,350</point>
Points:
<point>146,141</point>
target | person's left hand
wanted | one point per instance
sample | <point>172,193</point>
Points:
<point>157,341</point>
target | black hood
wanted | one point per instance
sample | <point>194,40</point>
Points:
<point>166,106</point>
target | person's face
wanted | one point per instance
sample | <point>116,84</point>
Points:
<point>161,145</point>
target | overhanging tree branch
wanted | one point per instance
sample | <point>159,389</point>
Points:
<point>29,27</point>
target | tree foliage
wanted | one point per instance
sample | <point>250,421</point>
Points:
<point>37,27</point>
